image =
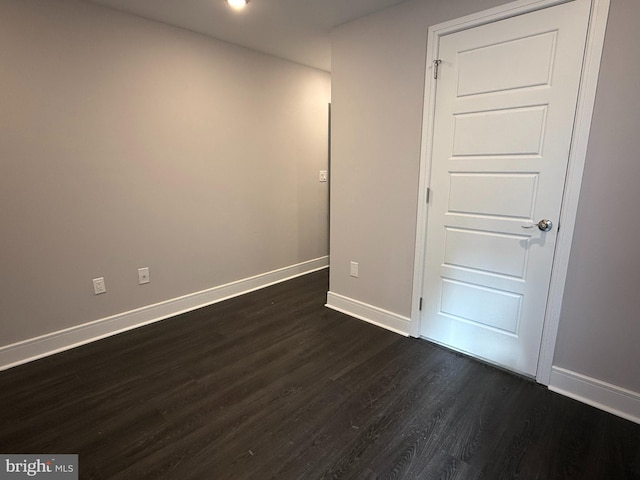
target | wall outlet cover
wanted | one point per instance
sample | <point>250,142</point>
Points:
<point>99,286</point>
<point>354,269</point>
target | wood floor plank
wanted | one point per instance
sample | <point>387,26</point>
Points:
<point>274,385</point>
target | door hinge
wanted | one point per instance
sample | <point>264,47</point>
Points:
<point>436,64</point>
<point>428,194</point>
<point>420,305</point>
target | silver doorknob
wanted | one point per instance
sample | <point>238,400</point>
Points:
<point>544,225</point>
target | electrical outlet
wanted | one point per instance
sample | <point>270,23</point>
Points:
<point>354,269</point>
<point>323,176</point>
<point>143,275</point>
<point>99,286</point>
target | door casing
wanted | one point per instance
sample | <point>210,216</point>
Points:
<point>577,157</point>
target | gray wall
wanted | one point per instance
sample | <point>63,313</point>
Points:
<point>377,89</point>
<point>600,326</point>
<point>126,143</point>
<point>377,78</point>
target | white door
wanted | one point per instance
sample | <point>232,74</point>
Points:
<point>505,106</point>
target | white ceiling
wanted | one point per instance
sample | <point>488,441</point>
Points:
<point>297,30</point>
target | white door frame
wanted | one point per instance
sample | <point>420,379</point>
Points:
<point>577,156</point>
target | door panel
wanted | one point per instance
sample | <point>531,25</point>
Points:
<point>485,251</point>
<point>496,194</point>
<point>507,131</point>
<point>483,70</point>
<point>505,104</point>
<point>485,306</point>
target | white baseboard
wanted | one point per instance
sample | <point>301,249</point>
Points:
<point>45,345</point>
<point>377,316</point>
<point>610,398</point>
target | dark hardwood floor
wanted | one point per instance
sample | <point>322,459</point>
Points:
<point>274,385</point>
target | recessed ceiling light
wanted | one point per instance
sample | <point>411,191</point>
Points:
<point>237,4</point>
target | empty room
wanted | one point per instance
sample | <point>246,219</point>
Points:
<point>356,239</point>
